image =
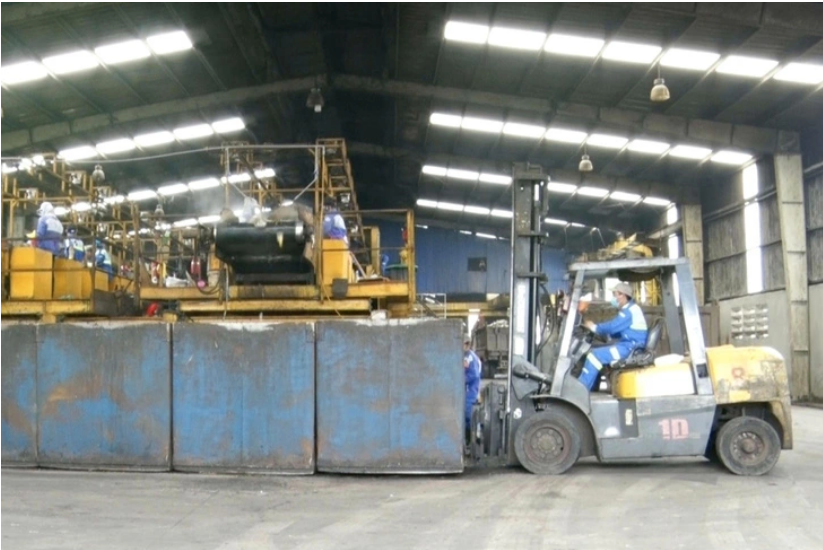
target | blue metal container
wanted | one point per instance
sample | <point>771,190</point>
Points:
<point>19,406</point>
<point>104,395</point>
<point>390,396</point>
<point>244,397</point>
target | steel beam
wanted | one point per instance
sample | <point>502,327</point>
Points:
<point>716,134</point>
<point>48,132</point>
<point>788,170</point>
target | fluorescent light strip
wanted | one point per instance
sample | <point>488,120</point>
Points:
<point>740,65</point>
<point>575,46</point>
<point>648,146</point>
<point>453,207</point>
<point>173,189</point>
<point>482,125</point>
<point>467,175</point>
<point>624,197</point>
<point>495,178</point>
<point>631,52</point>
<point>22,72</point>
<point>142,195</point>
<point>115,146</point>
<point>523,130</point>
<point>228,125</point>
<point>802,73</point>
<point>655,201</point>
<point>565,135</point>
<point>693,60</point>
<point>425,203</point>
<point>486,236</point>
<point>78,153</point>
<point>555,221</point>
<point>466,32</point>
<point>589,191</point>
<point>431,170</point>
<point>690,152</point>
<point>464,232</point>
<point>517,39</point>
<point>122,52</point>
<point>454,173</point>
<point>71,62</point>
<point>607,141</point>
<point>193,132</point>
<point>731,157</point>
<point>442,119</point>
<point>154,138</point>
<point>476,210</point>
<point>564,188</point>
<point>502,213</point>
<point>205,183</point>
<point>170,42</point>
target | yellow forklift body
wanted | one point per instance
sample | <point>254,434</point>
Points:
<point>654,381</point>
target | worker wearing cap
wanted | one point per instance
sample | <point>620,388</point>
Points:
<point>471,367</point>
<point>102,259</point>
<point>334,227</point>
<point>49,230</point>
<point>628,327</point>
<point>74,247</point>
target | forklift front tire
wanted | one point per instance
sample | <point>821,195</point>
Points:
<point>748,446</point>
<point>547,443</point>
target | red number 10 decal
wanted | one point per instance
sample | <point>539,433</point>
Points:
<point>674,428</point>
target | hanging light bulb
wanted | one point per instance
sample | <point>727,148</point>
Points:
<point>660,92</point>
<point>98,176</point>
<point>315,100</point>
<point>585,162</point>
<point>159,212</point>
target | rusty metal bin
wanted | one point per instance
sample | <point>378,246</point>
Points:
<point>104,395</point>
<point>244,397</point>
<point>19,405</point>
<point>390,396</point>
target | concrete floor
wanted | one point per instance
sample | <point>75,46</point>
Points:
<point>662,504</point>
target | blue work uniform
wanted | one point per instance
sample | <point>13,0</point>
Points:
<point>75,250</point>
<point>102,260</point>
<point>49,233</point>
<point>334,227</point>
<point>629,328</point>
<point>471,366</point>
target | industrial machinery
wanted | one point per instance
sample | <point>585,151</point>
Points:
<point>724,402</point>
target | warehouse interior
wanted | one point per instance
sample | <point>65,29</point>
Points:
<point>246,241</point>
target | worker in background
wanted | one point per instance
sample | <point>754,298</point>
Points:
<point>74,247</point>
<point>334,226</point>
<point>227,216</point>
<point>49,230</point>
<point>102,259</point>
<point>628,328</point>
<point>471,367</point>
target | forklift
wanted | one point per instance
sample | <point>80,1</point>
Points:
<point>725,403</point>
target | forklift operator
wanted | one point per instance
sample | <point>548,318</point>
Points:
<point>629,328</point>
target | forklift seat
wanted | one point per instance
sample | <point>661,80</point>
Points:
<point>643,357</point>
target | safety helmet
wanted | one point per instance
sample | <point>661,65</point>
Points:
<point>99,243</point>
<point>623,288</point>
<point>45,208</point>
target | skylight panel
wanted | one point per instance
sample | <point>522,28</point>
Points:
<point>71,62</point>
<point>228,125</point>
<point>450,206</point>
<point>631,52</point>
<point>589,191</point>
<point>498,179</point>
<point>441,119</point>
<point>205,183</point>
<point>518,39</point>
<point>693,60</point>
<point>577,46</point>
<point>78,153</point>
<point>122,52</point>
<point>115,146</point>
<point>624,197</point>
<point>432,170</point>
<point>564,188</point>
<point>648,146</point>
<point>733,158</point>
<point>193,132</point>
<point>172,189</point>
<point>565,136</point>
<point>154,138</point>
<point>466,32</point>
<point>690,152</point>
<point>22,72</point>
<point>482,125</point>
<point>802,73</point>
<point>740,65</point>
<point>142,195</point>
<point>523,130</point>
<point>607,141</point>
<point>477,210</point>
<point>170,42</point>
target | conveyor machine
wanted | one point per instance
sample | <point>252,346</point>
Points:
<point>273,253</point>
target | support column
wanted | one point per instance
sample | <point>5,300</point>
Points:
<point>788,169</point>
<point>692,216</point>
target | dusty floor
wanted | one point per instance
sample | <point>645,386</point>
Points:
<point>657,505</point>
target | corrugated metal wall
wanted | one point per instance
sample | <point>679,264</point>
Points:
<point>443,256</point>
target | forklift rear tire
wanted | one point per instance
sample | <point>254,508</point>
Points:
<point>547,443</point>
<point>748,446</point>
